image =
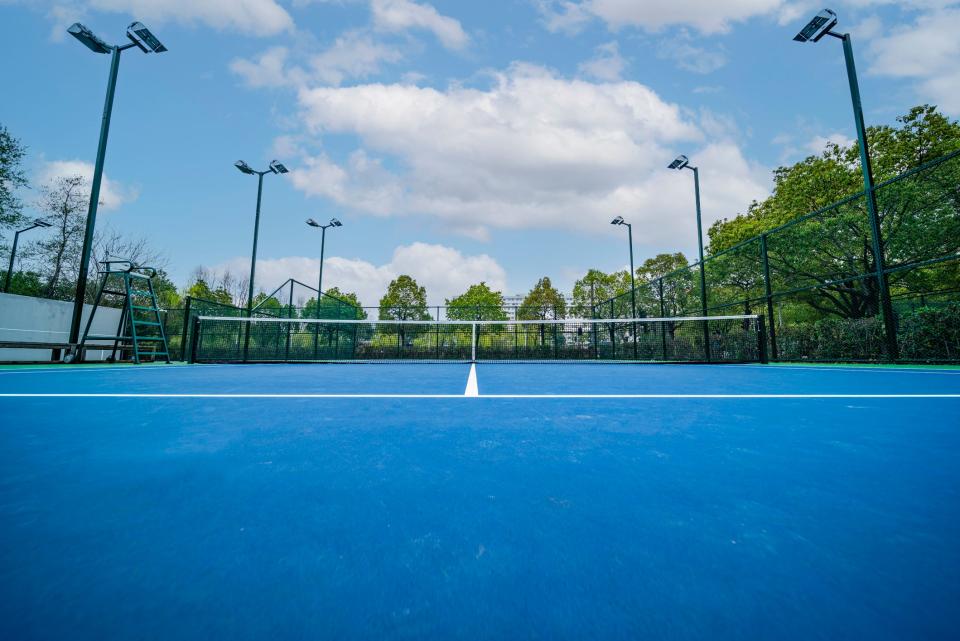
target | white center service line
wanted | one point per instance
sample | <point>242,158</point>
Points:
<point>491,396</point>
<point>472,387</point>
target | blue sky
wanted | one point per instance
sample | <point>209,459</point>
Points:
<point>457,141</point>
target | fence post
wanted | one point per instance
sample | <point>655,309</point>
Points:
<point>185,331</point>
<point>663,313</point>
<point>768,294</point>
<point>194,341</point>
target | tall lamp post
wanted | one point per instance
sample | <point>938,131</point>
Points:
<point>143,39</point>
<point>820,26</point>
<point>681,163</point>
<point>274,168</point>
<point>633,285</point>
<point>13,250</point>
<point>323,241</point>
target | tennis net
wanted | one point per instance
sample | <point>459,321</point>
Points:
<point>715,339</point>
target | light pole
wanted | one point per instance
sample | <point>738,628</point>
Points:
<point>816,29</point>
<point>13,250</point>
<point>274,168</point>
<point>323,241</point>
<point>633,285</point>
<point>682,162</point>
<point>143,39</point>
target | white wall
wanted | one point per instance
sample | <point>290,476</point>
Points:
<point>38,320</point>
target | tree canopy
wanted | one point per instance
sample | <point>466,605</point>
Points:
<point>479,302</point>
<point>543,302</point>
<point>12,178</point>
<point>404,300</point>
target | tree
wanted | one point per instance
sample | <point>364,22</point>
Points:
<point>597,287</point>
<point>667,276</point>
<point>12,178</point>
<point>479,302</point>
<point>200,289</point>
<point>404,300</point>
<point>336,304</point>
<point>828,258</point>
<point>63,202</point>
<point>166,291</point>
<point>543,302</point>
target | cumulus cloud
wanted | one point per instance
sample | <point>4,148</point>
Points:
<point>706,16</point>
<point>534,150</point>
<point>354,54</point>
<point>444,272</point>
<point>402,15</point>
<point>690,57</point>
<point>925,51</point>
<point>113,195</point>
<point>254,17</point>
<point>607,64</point>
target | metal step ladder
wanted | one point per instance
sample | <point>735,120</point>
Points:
<point>140,335</point>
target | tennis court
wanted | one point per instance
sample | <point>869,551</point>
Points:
<point>440,501</point>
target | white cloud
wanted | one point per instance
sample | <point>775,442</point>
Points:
<point>532,151</point>
<point>444,272</point>
<point>113,195</point>
<point>354,54</point>
<point>402,15</point>
<point>706,16</point>
<point>607,64</point>
<point>818,144</point>
<point>690,57</point>
<point>927,52</point>
<point>254,17</point>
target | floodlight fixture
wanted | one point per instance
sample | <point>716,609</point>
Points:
<point>817,28</point>
<point>244,167</point>
<point>88,38</point>
<point>41,223</point>
<point>335,222</point>
<point>312,222</point>
<point>277,167</point>
<point>618,221</point>
<point>680,163</point>
<point>144,38</point>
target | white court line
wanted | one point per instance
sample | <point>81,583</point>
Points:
<point>472,388</point>
<point>834,368</point>
<point>492,396</point>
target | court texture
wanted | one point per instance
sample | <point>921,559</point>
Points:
<point>495,501</point>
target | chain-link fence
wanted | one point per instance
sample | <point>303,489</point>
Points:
<point>818,282</point>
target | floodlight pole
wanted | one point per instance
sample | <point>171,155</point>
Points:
<point>703,274</point>
<point>81,292</point>
<point>869,188</point>
<point>13,253</point>
<point>633,287</point>
<point>256,233</point>
<point>323,243</point>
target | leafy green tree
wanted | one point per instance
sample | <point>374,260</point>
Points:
<point>25,283</point>
<point>479,302</point>
<point>267,305</point>
<point>167,295</point>
<point>543,302</point>
<point>404,300</point>
<point>336,304</point>
<point>12,178</point>
<point>200,289</point>
<point>677,286</point>
<point>830,254</point>
<point>597,287</point>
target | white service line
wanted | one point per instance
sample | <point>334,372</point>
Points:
<point>472,387</point>
<point>492,396</point>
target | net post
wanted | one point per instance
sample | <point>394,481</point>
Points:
<point>762,340</point>
<point>473,342</point>
<point>194,341</point>
<point>185,330</point>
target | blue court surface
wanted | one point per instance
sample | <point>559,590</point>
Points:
<point>562,502</point>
